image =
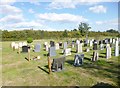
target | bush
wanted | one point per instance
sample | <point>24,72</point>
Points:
<point>29,40</point>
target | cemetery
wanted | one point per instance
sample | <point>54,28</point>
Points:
<point>60,64</point>
<point>60,43</point>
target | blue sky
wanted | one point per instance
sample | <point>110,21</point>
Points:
<point>57,16</point>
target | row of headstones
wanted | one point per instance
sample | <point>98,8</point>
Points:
<point>58,64</point>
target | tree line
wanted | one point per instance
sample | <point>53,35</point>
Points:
<point>82,31</point>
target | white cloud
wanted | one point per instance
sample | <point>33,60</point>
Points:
<point>8,9</point>
<point>31,11</point>
<point>108,22</point>
<point>22,25</point>
<point>59,4</point>
<point>12,19</point>
<point>65,17</point>
<point>99,22</point>
<point>98,9</point>
<point>7,2</point>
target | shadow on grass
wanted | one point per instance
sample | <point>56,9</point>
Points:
<point>26,58</point>
<point>45,54</point>
<point>103,69</point>
<point>46,66</point>
<point>71,62</point>
<point>102,56</point>
<point>73,51</point>
<point>103,53</point>
<point>103,85</point>
<point>61,53</point>
<point>43,70</point>
<point>89,59</point>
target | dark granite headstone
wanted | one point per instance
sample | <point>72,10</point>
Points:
<point>25,48</point>
<point>58,64</point>
<point>52,43</point>
<point>81,41</point>
<point>60,44</point>
<point>78,59</point>
<point>95,46</point>
<point>52,51</point>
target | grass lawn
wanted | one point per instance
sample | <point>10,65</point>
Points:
<point>17,71</point>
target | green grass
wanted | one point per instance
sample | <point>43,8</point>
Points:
<point>17,71</point>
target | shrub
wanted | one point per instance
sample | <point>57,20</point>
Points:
<point>29,40</point>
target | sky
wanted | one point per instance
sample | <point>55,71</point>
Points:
<point>58,15</point>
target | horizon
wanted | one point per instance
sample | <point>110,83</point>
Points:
<point>58,16</point>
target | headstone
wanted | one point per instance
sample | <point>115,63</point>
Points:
<point>24,44</point>
<point>20,44</point>
<point>24,48</point>
<point>95,46</point>
<point>58,64</point>
<point>16,46</point>
<point>116,48</point>
<point>60,44</point>
<point>85,43</point>
<point>95,56</point>
<point>73,45</point>
<point>67,51</point>
<point>87,50</point>
<point>78,59</point>
<point>79,48</point>
<point>101,46</point>
<point>57,46</point>
<point>91,43</point>
<point>37,48</point>
<point>52,51</point>
<point>46,47</point>
<point>77,42</point>
<point>12,44</point>
<point>52,43</point>
<point>113,41</point>
<point>110,40</point>
<point>65,45</point>
<point>108,52</point>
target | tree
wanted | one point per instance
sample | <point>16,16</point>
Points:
<point>65,34</point>
<point>112,31</point>
<point>84,28</point>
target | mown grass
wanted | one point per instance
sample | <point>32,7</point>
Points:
<point>17,71</point>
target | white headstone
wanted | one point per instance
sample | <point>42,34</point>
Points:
<point>113,41</point>
<point>20,44</point>
<point>116,48</point>
<point>87,50</point>
<point>24,44</point>
<point>101,46</point>
<point>79,48</point>
<point>77,42</point>
<point>47,47</point>
<point>108,52</point>
<point>12,44</point>
<point>16,46</point>
<point>91,43</point>
<point>67,51</point>
<point>57,46</point>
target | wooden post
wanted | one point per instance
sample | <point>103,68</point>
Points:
<point>18,50</point>
<point>49,64</point>
<point>28,54</point>
<point>13,48</point>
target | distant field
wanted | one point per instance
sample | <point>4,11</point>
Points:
<point>17,71</point>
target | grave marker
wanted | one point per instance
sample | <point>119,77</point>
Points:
<point>108,52</point>
<point>78,59</point>
<point>37,48</point>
